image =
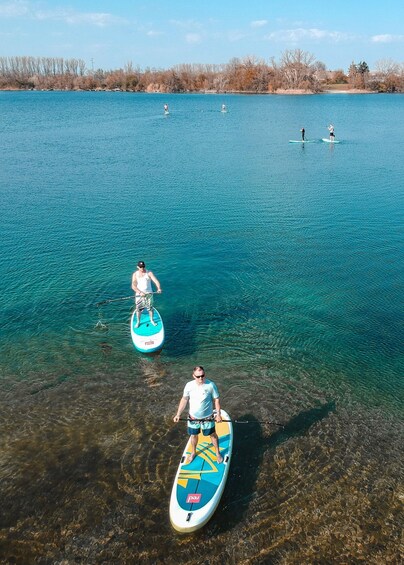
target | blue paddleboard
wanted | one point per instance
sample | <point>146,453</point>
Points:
<point>147,338</point>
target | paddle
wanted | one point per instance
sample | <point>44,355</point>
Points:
<point>234,421</point>
<point>123,298</point>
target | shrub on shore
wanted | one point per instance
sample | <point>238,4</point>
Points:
<point>297,71</point>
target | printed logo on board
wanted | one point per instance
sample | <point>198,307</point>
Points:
<point>193,498</point>
<point>149,342</point>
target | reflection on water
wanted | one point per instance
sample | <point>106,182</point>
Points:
<point>87,468</point>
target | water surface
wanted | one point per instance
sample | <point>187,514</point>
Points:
<point>282,273</point>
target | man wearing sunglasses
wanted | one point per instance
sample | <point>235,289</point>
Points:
<point>142,286</point>
<point>203,398</point>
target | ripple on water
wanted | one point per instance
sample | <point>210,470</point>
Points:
<point>87,470</point>
<point>282,274</point>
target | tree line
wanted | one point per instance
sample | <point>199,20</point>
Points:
<point>296,70</point>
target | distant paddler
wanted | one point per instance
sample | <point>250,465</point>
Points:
<point>332,134</point>
<point>166,111</point>
<point>303,132</point>
<point>142,286</point>
<point>224,109</point>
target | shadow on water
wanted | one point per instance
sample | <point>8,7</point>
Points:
<point>248,451</point>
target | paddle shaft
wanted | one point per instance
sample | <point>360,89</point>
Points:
<point>123,298</point>
<point>234,421</point>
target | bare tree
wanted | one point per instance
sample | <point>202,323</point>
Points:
<point>388,76</point>
<point>297,69</point>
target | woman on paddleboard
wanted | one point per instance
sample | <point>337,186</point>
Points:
<point>203,398</point>
<point>331,130</point>
<point>142,286</point>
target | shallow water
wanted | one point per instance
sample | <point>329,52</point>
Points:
<point>282,273</point>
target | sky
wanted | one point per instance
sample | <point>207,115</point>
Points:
<point>109,34</point>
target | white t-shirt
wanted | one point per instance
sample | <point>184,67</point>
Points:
<point>201,398</point>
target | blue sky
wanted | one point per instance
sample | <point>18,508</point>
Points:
<point>110,33</point>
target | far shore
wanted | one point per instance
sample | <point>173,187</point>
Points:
<point>280,91</point>
<point>331,91</point>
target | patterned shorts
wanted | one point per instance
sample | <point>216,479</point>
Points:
<point>207,427</point>
<point>143,302</point>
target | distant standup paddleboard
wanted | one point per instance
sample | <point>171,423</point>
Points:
<point>301,141</point>
<point>147,338</point>
<point>330,140</point>
<point>198,486</point>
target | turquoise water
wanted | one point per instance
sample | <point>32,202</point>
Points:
<point>282,273</point>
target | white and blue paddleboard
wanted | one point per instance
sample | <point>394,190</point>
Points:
<point>147,338</point>
<point>199,485</point>
<point>301,141</point>
<point>329,140</point>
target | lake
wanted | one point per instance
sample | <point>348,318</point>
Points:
<point>282,272</point>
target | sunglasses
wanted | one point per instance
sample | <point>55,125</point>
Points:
<point>199,376</point>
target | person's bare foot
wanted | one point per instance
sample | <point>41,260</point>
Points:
<point>190,458</point>
<point>153,323</point>
<point>219,458</point>
<point>137,324</point>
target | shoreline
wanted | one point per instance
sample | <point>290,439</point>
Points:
<point>279,92</point>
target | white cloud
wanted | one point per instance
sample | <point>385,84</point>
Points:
<point>235,35</point>
<point>295,35</point>
<point>193,38</point>
<point>186,24</point>
<point>387,38</point>
<point>153,33</point>
<point>98,19</point>
<point>14,9</point>
<point>21,8</point>
<point>259,23</point>
<point>194,29</point>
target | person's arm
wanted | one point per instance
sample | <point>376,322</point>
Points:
<point>155,280</point>
<point>134,285</point>
<point>181,408</point>
<point>218,416</point>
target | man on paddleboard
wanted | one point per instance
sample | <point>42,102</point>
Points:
<point>142,286</point>
<point>331,130</point>
<point>203,398</point>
